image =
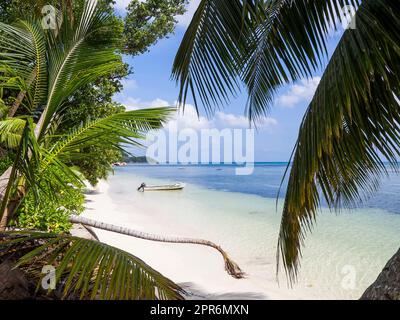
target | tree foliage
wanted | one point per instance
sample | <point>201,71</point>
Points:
<point>146,22</point>
<point>63,61</point>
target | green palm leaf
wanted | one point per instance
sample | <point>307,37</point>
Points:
<point>38,86</point>
<point>208,60</point>
<point>17,49</point>
<point>10,132</point>
<point>352,121</point>
<point>89,269</point>
<point>263,44</point>
<point>76,58</point>
<point>114,130</point>
<point>24,51</point>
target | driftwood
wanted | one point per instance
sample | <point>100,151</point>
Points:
<point>230,266</point>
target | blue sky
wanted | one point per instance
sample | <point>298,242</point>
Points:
<point>150,85</point>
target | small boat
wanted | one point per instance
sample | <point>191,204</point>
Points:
<point>168,187</point>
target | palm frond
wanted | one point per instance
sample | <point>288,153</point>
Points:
<point>38,78</point>
<point>24,51</point>
<point>10,131</point>
<point>288,44</point>
<point>208,60</point>
<point>73,62</point>
<point>352,121</point>
<point>59,152</point>
<point>114,130</point>
<point>263,44</point>
<point>25,166</point>
<point>17,49</point>
<point>87,269</point>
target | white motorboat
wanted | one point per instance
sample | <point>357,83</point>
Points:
<point>167,187</point>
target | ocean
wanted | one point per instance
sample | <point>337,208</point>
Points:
<point>342,256</point>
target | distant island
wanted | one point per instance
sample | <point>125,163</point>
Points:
<point>141,159</point>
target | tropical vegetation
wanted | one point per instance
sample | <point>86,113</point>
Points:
<point>60,128</point>
<point>46,68</point>
<point>59,125</point>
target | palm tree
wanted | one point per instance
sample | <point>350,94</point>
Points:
<point>46,68</point>
<point>353,118</point>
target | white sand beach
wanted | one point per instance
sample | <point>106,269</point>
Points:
<point>199,270</point>
<point>341,247</point>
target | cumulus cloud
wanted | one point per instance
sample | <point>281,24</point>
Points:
<point>121,4</point>
<point>297,93</point>
<point>190,120</point>
<point>187,117</point>
<point>129,84</point>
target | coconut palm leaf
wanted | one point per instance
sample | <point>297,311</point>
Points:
<point>263,44</point>
<point>24,51</point>
<point>76,58</point>
<point>17,49</point>
<point>38,77</point>
<point>209,57</point>
<point>114,130</point>
<point>10,132</point>
<point>23,171</point>
<point>89,269</point>
<point>352,123</point>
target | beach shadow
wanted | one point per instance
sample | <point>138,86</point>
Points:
<point>194,292</point>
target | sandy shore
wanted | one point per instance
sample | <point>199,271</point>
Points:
<point>199,270</point>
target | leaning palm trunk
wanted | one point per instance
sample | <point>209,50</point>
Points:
<point>4,181</point>
<point>230,266</point>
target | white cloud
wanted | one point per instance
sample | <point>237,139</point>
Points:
<point>185,19</point>
<point>232,120</point>
<point>159,103</point>
<point>190,120</point>
<point>229,120</point>
<point>129,84</point>
<point>121,4</point>
<point>187,117</point>
<point>302,92</point>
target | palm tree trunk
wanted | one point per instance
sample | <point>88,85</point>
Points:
<point>16,104</point>
<point>21,95</point>
<point>70,10</point>
<point>4,179</point>
<point>230,266</point>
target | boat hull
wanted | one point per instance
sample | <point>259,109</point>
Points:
<point>174,187</point>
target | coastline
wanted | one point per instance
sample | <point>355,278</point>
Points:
<point>246,226</point>
<point>197,269</point>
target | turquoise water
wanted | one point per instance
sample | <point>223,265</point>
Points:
<point>342,257</point>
